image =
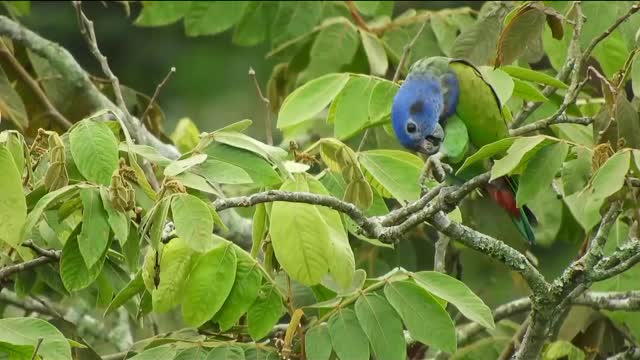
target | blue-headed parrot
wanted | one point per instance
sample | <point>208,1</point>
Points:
<point>439,88</point>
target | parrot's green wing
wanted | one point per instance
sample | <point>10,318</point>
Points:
<point>478,106</point>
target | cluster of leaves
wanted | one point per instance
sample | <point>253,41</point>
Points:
<point>86,194</point>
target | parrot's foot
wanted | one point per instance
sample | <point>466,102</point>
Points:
<point>434,168</point>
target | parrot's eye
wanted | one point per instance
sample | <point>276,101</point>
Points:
<point>411,127</point>
<point>417,107</point>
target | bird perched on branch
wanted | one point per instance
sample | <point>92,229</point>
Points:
<point>440,94</point>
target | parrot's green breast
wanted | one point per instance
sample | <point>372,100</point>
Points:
<point>478,106</point>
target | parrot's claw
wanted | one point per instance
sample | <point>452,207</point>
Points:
<point>435,168</point>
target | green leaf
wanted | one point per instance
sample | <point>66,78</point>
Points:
<point>161,13</point>
<point>179,166</point>
<point>163,352</point>
<point>16,352</point>
<point>175,265</point>
<point>577,172</point>
<point>533,76</point>
<point>265,312</point>
<point>36,213</point>
<point>381,100</point>
<point>260,353</point>
<point>521,150</point>
<point>13,206</point>
<point>240,140</point>
<point>193,221</point>
<point>382,326</point>
<point>500,81</point>
<point>294,19</point>
<point>456,140</point>
<point>221,172</point>
<point>147,152</point>
<point>341,262</point>
<point>393,173</point>
<point>585,205</point>
<point>158,217</point>
<point>252,29</point>
<point>192,353</point>
<point>350,110</point>
<point>226,352</point>
<point>209,284</point>
<point>522,30</point>
<point>11,104</point>
<point>488,348</point>
<point>26,331</point>
<point>260,171</point>
<point>197,182</point>
<point>317,343</point>
<point>526,91</point>
<point>94,148</point>
<point>73,270</point>
<point>301,240</point>
<point>133,287</point>
<point>186,135</point>
<point>118,221</point>
<point>628,122</point>
<point>378,62</point>
<point>397,37</point>
<point>562,350</point>
<point>259,229</point>
<point>458,294</point>
<point>311,98</point>
<point>213,17</point>
<point>426,320</point>
<point>339,35</point>
<point>94,237</point>
<point>477,43</point>
<point>347,337</point>
<point>445,31</point>
<point>540,172</point>
<point>244,291</point>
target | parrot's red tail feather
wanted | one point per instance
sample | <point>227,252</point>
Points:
<point>506,200</point>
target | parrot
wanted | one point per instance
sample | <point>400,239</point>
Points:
<point>440,88</point>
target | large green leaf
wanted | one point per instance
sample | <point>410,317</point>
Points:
<point>242,141</point>
<point>397,37</point>
<point>260,353</point>
<point>179,166</point>
<point>585,204</point>
<point>383,327</point>
<point>425,318</point>
<point>339,35</point>
<point>347,337</point>
<point>244,291</point>
<point>301,240</point>
<point>212,17</point>
<point>527,91</point>
<point>341,262</point>
<point>477,43</point>
<point>264,312</point>
<point>317,343</point>
<point>458,294</point>
<point>209,284</point>
<point>349,112</point>
<point>533,76</point>
<point>193,221</point>
<point>11,104</point>
<point>94,148</point>
<point>294,18</point>
<point>378,62</point>
<point>523,29</point>
<point>258,169</point>
<point>252,29</point>
<point>500,81</point>
<point>134,286</point>
<point>94,237</point>
<point>13,206</point>
<point>27,331</point>
<point>487,152</point>
<point>163,352</point>
<point>381,100</point>
<point>540,172</point>
<point>36,213</point>
<point>175,265</point>
<point>393,173</point>
<point>161,13</point>
<point>311,98</point>
<point>520,152</point>
<point>577,172</point>
<point>562,350</point>
<point>73,269</point>
<point>221,172</point>
<point>456,140</point>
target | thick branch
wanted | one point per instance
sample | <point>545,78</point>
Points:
<point>69,69</point>
<point>12,269</point>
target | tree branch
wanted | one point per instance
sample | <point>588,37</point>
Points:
<point>46,257</point>
<point>551,120</point>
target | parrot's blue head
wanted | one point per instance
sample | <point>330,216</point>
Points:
<point>415,113</point>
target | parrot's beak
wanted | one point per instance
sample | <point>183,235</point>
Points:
<point>431,143</point>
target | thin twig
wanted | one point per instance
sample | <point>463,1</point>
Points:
<point>35,351</point>
<point>407,51</point>
<point>356,15</point>
<point>267,105</point>
<point>157,92</point>
<point>34,87</point>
